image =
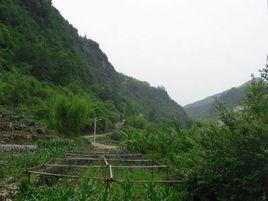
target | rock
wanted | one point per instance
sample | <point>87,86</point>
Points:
<point>13,188</point>
<point>4,195</point>
<point>10,191</point>
<point>10,180</point>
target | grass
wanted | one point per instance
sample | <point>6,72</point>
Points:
<point>16,163</point>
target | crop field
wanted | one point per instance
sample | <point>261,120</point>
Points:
<point>59,170</point>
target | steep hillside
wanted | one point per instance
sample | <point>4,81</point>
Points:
<point>35,40</point>
<point>206,109</point>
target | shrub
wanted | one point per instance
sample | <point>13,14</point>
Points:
<point>70,115</point>
<point>137,121</point>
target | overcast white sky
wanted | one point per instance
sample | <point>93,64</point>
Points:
<point>194,48</point>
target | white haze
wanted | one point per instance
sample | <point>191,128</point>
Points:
<point>193,48</point>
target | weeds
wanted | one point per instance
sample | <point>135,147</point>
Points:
<point>17,163</point>
<point>128,192</point>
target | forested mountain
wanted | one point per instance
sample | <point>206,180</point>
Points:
<point>43,54</point>
<point>206,108</point>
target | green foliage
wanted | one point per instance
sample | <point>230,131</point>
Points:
<point>48,193</point>
<point>138,122</point>
<point>134,140</point>
<point>128,192</point>
<point>156,139</point>
<point>223,160</point>
<point>16,89</point>
<point>85,191</point>
<point>46,150</point>
<point>151,194</point>
<point>66,109</point>
<point>70,115</point>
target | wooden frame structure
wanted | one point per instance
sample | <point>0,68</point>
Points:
<point>105,162</point>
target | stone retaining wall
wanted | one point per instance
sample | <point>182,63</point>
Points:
<point>16,148</point>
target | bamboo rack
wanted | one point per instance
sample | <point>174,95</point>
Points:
<point>125,160</point>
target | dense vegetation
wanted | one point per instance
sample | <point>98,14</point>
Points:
<point>91,190</point>
<point>66,109</point>
<point>207,108</point>
<point>220,160</point>
<point>36,41</point>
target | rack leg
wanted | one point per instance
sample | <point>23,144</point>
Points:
<point>167,174</point>
<point>29,177</point>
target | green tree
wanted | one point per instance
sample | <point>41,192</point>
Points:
<point>229,159</point>
<point>70,115</point>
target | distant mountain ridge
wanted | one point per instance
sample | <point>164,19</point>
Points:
<point>206,108</point>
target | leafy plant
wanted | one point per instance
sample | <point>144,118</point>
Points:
<point>70,115</point>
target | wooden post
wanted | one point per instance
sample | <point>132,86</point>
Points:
<point>95,128</point>
<point>167,174</point>
<point>29,177</point>
<point>152,173</point>
<point>111,172</point>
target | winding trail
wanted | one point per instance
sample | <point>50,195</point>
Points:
<point>99,146</point>
<point>91,137</point>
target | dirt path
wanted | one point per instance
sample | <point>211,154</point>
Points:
<point>91,137</point>
<point>98,146</point>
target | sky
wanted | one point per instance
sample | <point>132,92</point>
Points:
<point>193,48</point>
